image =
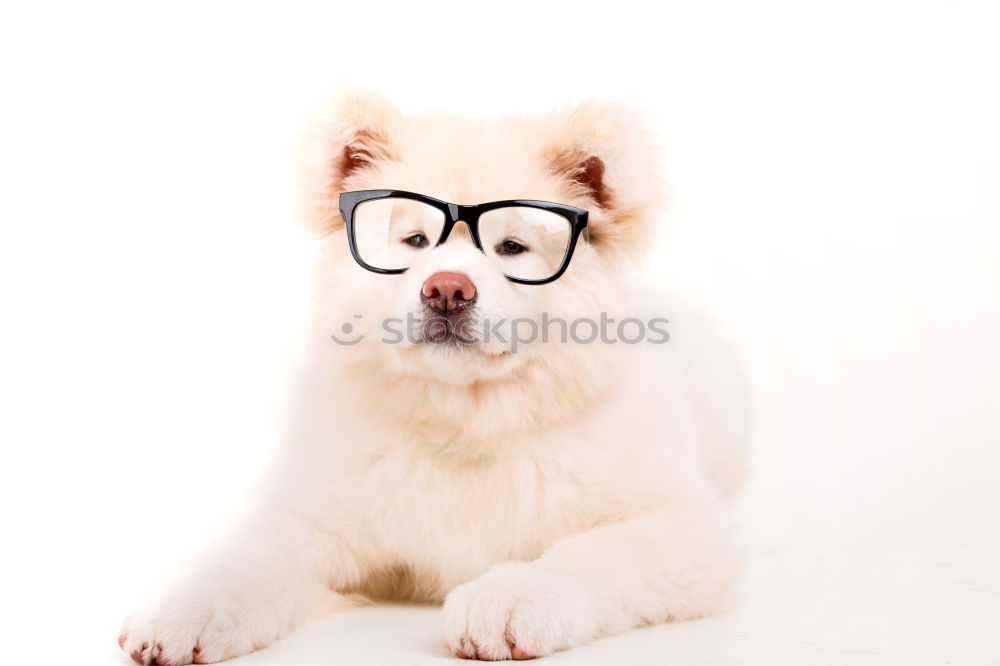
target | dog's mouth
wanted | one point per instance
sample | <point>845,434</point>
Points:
<point>454,330</point>
<point>458,332</point>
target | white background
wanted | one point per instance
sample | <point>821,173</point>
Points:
<point>835,171</point>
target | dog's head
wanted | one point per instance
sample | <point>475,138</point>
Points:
<point>452,315</point>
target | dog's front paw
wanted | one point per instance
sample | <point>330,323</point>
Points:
<point>202,627</point>
<point>517,611</point>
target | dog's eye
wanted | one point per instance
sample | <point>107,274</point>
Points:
<point>417,240</point>
<point>509,247</point>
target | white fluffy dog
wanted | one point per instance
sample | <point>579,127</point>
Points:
<point>547,491</point>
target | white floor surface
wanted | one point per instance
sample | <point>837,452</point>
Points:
<point>841,607</point>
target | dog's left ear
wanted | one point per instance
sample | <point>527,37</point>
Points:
<point>353,133</point>
<point>606,155</point>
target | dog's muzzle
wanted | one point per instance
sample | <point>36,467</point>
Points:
<point>448,299</point>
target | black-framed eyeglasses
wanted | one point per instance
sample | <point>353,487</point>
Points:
<point>532,241</point>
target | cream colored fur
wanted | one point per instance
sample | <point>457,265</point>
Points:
<point>549,496</point>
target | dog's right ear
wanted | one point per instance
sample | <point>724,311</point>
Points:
<point>348,136</point>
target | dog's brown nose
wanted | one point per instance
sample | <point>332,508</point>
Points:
<point>448,293</point>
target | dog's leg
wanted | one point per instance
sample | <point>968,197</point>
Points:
<point>666,565</point>
<point>252,588</point>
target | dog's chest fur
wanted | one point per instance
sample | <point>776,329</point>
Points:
<point>435,520</point>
